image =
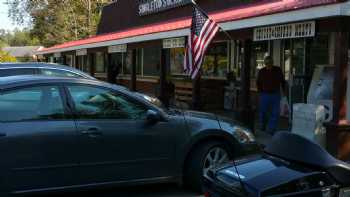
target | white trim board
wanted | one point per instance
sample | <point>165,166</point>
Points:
<point>340,9</point>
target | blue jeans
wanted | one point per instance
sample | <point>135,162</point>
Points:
<point>270,101</point>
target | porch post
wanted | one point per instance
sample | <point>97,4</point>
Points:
<point>196,92</point>
<point>76,61</point>
<point>133,70</point>
<point>109,70</point>
<point>164,65</point>
<point>246,114</point>
<point>91,60</point>
<point>340,76</point>
<point>64,59</point>
<point>338,134</point>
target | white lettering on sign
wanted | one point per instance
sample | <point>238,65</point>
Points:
<point>174,43</point>
<point>81,52</point>
<point>57,55</point>
<point>122,48</point>
<point>153,6</point>
<point>295,30</point>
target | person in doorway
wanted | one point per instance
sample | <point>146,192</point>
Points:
<point>270,82</point>
<point>113,72</point>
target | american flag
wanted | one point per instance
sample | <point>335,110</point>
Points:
<point>202,33</point>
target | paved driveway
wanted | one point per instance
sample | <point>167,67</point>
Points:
<point>159,190</point>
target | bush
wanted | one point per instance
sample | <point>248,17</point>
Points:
<point>5,57</point>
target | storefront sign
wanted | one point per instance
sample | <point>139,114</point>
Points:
<point>147,7</point>
<point>122,48</point>
<point>81,52</point>
<point>295,30</point>
<point>174,43</point>
<point>57,55</point>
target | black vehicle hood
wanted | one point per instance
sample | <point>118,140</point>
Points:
<point>259,174</point>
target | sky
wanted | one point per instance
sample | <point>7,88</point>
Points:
<point>5,21</point>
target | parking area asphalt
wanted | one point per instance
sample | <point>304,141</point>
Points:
<point>156,190</point>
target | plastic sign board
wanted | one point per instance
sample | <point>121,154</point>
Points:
<point>81,52</point>
<point>57,55</point>
<point>122,48</point>
<point>174,43</point>
<point>294,30</point>
<point>147,7</point>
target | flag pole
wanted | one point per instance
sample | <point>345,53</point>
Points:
<point>205,13</point>
<point>197,81</point>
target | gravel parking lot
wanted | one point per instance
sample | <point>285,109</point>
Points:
<point>158,190</point>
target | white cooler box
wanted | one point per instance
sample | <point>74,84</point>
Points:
<point>308,122</point>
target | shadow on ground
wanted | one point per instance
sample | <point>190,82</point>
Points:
<point>158,190</point>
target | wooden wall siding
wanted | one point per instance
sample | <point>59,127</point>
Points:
<point>123,14</point>
<point>146,87</point>
<point>212,94</point>
<point>124,82</point>
<point>212,91</point>
<point>150,88</point>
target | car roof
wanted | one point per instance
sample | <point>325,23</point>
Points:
<point>33,64</point>
<point>43,65</point>
<point>13,81</point>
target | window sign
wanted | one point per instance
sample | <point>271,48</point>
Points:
<point>81,52</point>
<point>147,7</point>
<point>117,48</point>
<point>295,30</point>
<point>174,43</point>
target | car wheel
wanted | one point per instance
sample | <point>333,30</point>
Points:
<point>203,158</point>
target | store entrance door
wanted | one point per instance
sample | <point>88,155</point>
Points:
<point>294,67</point>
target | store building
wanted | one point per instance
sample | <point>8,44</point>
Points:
<point>146,39</point>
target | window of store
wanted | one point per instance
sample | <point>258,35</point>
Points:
<point>117,59</point>
<point>70,60</point>
<point>319,51</point>
<point>151,61</point>
<point>127,62</point>
<point>177,56</point>
<point>127,66</point>
<point>81,63</point>
<point>216,60</point>
<point>236,58</point>
<point>100,62</point>
<point>259,51</point>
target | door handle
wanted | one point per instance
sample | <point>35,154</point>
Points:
<point>3,134</point>
<point>92,132</point>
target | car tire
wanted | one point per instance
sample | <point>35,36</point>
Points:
<point>197,161</point>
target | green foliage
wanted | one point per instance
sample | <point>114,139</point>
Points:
<point>5,57</point>
<point>58,21</point>
<point>17,38</point>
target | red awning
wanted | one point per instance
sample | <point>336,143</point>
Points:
<point>261,8</point>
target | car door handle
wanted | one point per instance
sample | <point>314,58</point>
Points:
<point>92,132</point>
<point>3,134</point>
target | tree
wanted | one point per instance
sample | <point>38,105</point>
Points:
<point>17,37</point>
<point>58,21</point>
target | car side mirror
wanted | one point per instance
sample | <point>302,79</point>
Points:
<point>153,117</point>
